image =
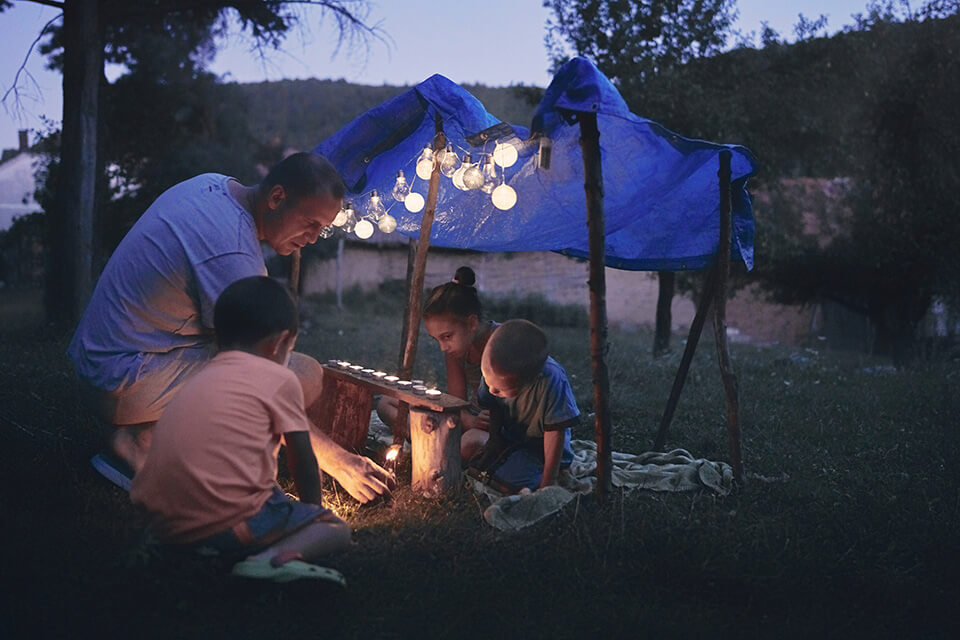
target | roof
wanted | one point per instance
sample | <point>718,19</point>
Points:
<point>17,185</point>
<point>661,192</point>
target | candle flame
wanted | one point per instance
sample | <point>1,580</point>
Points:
<point>392,453</point>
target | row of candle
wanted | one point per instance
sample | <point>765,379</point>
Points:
<point>416,386</point>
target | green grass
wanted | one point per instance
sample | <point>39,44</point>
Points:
<point>847,526</point>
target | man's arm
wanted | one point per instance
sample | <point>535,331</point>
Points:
<point>303,466</point>
<point>361,477</point>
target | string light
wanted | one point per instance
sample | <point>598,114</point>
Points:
<point>505,154</point>
<point>341,217</point>
<point>387,223</point>
<point>425,164</point>
<point>413,202</point>
<point>364,229</point>
<point>401,188</point>
<point>457,177</point>
<point>504,197</point>
<point>351,218</point>
<point>450,162</point>
<point>489,175</point>
<point>325,232</point>
<point>375,209</point>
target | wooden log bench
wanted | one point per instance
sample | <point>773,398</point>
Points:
<point>345,406</point>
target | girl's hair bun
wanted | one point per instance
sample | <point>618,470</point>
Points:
<point>465,276</point>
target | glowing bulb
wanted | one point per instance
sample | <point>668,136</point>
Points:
<point>364,229</point>
<point>425,164</point>
<point>457,177</point>
<point>401,188</point>
<point>341,217</point>
<point>504,197</point>
<point>505,154</point>
<point>351,218</point>
<point>450,162</point>
<point>375,208</point>
<point>413,202</point>
<point>387,223</point>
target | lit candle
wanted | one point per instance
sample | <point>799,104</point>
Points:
<point>433,392</point>
<point>356,368</point>
<point>419,389</point>
<point>344,364</point>
<point>366,372</point>
<point>416,381</point>
<point>379,375</point>
<point>390,379</point>
<point>404,384</point>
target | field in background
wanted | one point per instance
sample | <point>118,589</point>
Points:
<point>847,527</point>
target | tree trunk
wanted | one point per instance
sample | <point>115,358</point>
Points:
<point>661,339</point>
<point>435,449</point>
<point>71,223</point>
<point>895,324</point>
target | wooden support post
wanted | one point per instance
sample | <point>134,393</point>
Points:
<point>696,328</point>
<point>435,449</point>
<point>720,320</point>
<point>593,187</point>
<point>416,266</point>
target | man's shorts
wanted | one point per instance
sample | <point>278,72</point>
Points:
<point>280,516</point>
<point>158,378</point>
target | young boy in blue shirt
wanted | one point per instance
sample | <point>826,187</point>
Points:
<point>532,409</point>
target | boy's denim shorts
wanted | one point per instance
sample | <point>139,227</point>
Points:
<point>280,516</point>
<point>523,468</point>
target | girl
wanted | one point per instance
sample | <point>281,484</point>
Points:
<point>452,316</point>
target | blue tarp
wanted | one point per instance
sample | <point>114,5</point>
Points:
<point>661,192</point>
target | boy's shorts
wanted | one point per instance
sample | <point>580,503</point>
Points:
<point>523,467</point>
<point>280,516</point>
<point>159,377</point>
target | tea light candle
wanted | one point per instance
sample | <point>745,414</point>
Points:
<point>404,385</point>
<point>379,375</point>
<point>356,368</point>
<point>420,382</point>
<point>366,372</point>
<point>433,393</point>
<point>343,364</point>
<point>390,379</point>
<point>419,389</point>
<point>333,363</point>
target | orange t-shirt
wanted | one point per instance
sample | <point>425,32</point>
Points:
<point>213,459</point>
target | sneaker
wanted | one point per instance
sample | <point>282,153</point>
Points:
<point>114,470</point>
<point>287,572</point>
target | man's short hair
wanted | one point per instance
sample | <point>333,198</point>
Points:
<point>305,174</point>
<point>251,309</point>
<point>518,347</point>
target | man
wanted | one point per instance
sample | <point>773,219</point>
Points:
<point>148,325</point>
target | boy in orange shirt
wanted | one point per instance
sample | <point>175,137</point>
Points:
<point>210,479</point>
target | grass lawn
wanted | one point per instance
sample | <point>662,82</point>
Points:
<point>846,528</point>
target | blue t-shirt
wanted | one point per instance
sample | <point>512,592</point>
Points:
<point>158,289</point>
<point>547,401</point>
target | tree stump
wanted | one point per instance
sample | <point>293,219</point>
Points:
<point>435,449</point>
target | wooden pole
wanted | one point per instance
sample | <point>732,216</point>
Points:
<point>415,273</point>
<point>435,451</point>
<point>340,273</point>
<point>696,328</point>
<point>593,188</point>
<point>295,273</point>
<point>720,320</point>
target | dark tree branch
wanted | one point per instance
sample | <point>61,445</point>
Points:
<point>18,107</point>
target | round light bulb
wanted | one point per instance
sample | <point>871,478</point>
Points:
<point>387,223</point>
<point>425,164</point>
<point>364,229</point>
<point>450,162</point>
<point>472,177</point>
<point>325,232</point>
<point>401,188</point>
<point>457,178</point>
<point>413,202</point>
<point>505,154</point>
<point>504,197</point>
<point>375,208</point>
<point>341,218</point>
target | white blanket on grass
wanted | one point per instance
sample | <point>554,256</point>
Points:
<point>675,470</point>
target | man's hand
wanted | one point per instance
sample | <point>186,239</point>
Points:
<point>363,478</point>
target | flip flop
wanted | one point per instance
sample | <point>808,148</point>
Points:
<point>286,572</point>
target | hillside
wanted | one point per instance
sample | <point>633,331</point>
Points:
<point>301,113</point>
